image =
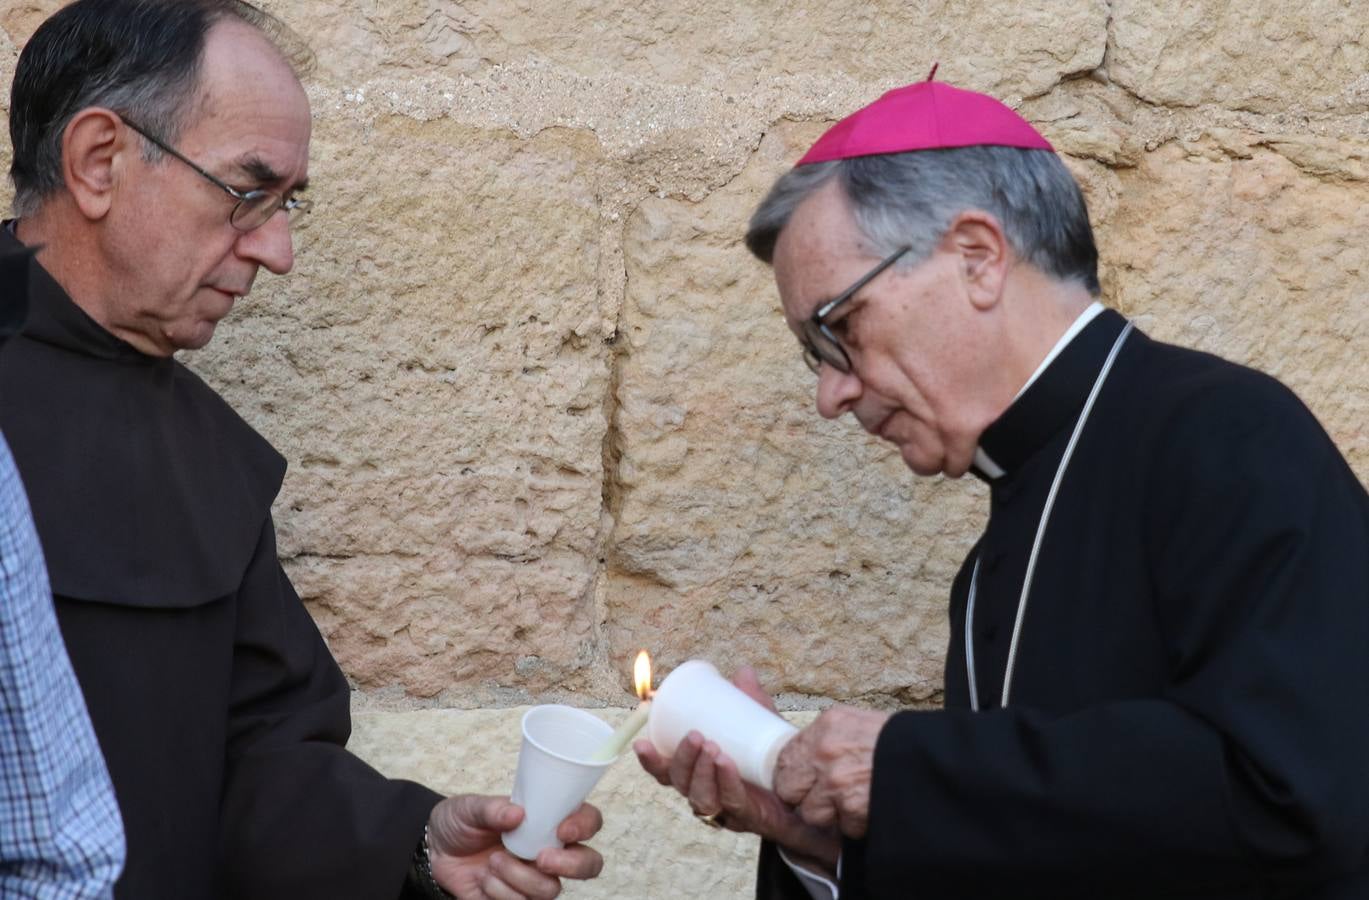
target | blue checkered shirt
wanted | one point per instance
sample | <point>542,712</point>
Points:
<point>60,832</point>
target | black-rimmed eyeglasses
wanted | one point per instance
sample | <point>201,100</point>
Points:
<point>253,209</point>
<point>820,345</point>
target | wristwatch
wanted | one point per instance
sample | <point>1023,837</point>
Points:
<point>421,873</point>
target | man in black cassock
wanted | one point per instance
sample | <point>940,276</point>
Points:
<point>160,147</point>
<point>1157,684</point>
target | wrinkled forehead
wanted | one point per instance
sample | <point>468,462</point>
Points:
<point>242,67</point>
<point>250,102</point>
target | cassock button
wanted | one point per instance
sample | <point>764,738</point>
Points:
<point>988,634</point>
<point>992,560</point>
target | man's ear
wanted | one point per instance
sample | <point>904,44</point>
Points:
<point>94,145</point>
<point>977,238</point>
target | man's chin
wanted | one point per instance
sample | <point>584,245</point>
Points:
<point>920,464</point>
<point>194,338</point>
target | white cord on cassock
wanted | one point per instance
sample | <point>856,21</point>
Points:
<point>1036,543</point>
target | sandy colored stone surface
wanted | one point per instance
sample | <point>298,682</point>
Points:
<point>653,847</point>
<point>716,43</point>
<point>1265,57</point>
<point>439,392</point>
<point>539,406</point>
<point>1267,270</point>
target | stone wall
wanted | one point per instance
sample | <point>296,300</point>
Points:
<point>539,405</point>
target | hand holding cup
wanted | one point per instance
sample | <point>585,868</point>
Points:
<point>556,771</point>
<point>467,860</point>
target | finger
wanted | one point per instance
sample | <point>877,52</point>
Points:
<point>573,861</point>
<point>789,787</point>
<point>703,782</point>
<point>853,826</point>
<point>487,813</point>
<point>750,684</point>
<point>494,889</point>
<point>818,810</point>
<point>732,794</point>
<point>682,763</point>
<point>518,879</point>
<point>853,813</point>
<point>466,822</point>
<point>580,825</point>
<point>656,765</point>
<point>794,775</point>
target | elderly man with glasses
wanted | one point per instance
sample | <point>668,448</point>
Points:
<point>160,151</point>
<point>1157,684</point>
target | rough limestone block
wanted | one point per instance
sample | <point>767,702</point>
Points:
<point>433,372</point>
<point>1228,246</point>
<point>652,845</point>
<point>717,42</point>
<point>1265,57</point>
<point>678,93</point>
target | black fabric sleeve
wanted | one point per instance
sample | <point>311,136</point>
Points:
<point>301,816</point>
<point>1247,776</point>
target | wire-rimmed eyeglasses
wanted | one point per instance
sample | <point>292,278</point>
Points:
<point>253,209</point>
<point>820,345</point>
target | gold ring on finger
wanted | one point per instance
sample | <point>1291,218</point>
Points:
<point>716,820</point>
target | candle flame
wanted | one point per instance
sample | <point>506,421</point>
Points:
<point>641,675</point>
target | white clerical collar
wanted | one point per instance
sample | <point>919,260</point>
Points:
<point>982,461</point>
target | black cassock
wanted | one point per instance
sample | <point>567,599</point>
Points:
<point>1189,711</point>
<point>221,713</point>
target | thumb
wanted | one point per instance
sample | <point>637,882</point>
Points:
<point>488,813</point>
<point>750,684</point>
<point>466,822</point>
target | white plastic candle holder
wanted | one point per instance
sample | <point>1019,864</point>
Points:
<point>696,697</point>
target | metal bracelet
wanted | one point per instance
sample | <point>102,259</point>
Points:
<point>421,872</point>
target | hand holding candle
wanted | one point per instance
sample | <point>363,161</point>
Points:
<point>696,697</point>
<point>711,781</point>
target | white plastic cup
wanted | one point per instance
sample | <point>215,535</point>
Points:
<point>555,773</point>
<point>696,697</point>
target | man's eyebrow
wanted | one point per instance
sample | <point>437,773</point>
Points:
<point>260,171</point>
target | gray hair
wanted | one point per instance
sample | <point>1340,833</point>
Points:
<point>140,58</point>
<point>911,199</point>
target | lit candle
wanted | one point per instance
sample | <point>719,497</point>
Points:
<point>641,675</point>
<point>696,697</point>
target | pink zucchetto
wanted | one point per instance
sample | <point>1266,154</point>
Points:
<point>925,116</point>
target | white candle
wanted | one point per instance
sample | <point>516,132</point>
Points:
<point>641,677</point>
<point>696,697</point>
<point>619,740</point>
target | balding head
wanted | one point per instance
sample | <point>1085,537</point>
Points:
<point>139,57</point>
<point>158,146</point>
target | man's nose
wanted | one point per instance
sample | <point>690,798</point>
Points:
<point>837,391</point>
<point>270,245</point>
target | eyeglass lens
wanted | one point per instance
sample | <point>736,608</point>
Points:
<point>820,347</point>
<point>257,208</point>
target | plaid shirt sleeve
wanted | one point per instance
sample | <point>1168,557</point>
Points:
<point>61,836</point>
